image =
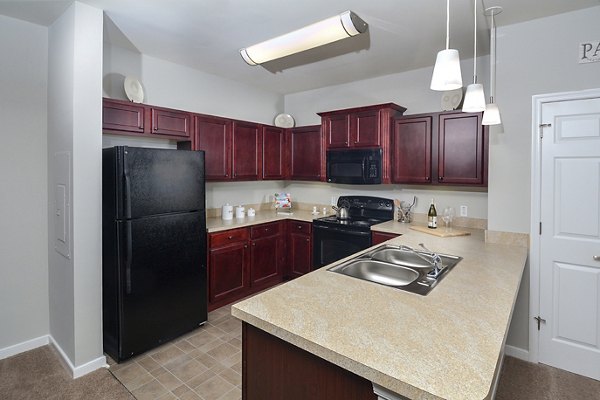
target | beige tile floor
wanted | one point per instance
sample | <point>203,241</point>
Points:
<point>205,364</point>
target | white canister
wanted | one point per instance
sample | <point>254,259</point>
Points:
<point>240,212</point>
<point>251,212</point>
<point>227,212</point>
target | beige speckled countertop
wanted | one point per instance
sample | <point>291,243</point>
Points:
<point>446,345</point>
<point>217,224</point>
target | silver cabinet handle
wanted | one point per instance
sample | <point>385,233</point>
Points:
<point>596,258</point>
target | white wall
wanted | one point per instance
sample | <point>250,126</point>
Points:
<point>536,57</point>
<point>23,203</point>
<point>74,127</point>
<point>176,86</point>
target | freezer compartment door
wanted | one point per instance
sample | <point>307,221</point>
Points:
<point>163,279</point>
<point>159,181</point>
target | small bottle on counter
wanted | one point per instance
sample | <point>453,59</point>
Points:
<point>324,210</point>
<point>432,216</point>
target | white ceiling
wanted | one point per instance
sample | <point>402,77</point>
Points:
<point>207,35</point>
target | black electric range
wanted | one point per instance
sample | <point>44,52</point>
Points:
<point>334,239</point>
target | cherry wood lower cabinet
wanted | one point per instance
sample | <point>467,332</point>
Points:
<point>244,261</point>
<point>228,262</point>
<point>380,237</point>
<point>299,248</point>
<point>274,369</point>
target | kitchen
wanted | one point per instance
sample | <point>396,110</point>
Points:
<point>42,303</point>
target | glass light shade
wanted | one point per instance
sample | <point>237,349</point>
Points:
<point>330,30</point>
<point>491,116</point>
<point>446,72</point>
<point>474,98</point>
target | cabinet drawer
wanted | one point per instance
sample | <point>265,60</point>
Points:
<point>300,227</point>
<point>264,230</point>
<point>226,237</point>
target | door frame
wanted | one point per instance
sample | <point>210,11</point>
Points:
<point>536,184</point>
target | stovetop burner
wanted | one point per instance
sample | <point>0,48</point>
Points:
<point>364,212</point>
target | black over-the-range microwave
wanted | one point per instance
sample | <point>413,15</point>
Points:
<point>356,166</point>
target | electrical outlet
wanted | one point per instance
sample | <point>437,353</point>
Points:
<point>464,211</point>
<point>333,201</point>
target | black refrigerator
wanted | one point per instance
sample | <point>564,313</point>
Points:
<point>153,247</point>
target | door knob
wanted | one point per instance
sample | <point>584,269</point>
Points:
<point>596,258</point>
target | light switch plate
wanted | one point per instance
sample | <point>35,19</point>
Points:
<point>464,211</point>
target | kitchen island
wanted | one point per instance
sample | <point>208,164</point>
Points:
<point>446,345</point>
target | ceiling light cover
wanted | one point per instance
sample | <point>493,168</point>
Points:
<point>342,26</point>
<point>474,98</point>
<point>491,116</point>
<point>446,72</point>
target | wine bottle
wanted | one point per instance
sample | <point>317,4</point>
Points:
<point>432,216</point>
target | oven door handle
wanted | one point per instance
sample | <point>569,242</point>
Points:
<point>357,233</point>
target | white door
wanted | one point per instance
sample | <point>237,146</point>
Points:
<point>570,241</point>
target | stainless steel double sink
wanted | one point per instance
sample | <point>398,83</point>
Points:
<point>400,267</point>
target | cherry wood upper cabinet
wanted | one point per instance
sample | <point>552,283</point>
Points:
<point>411,150</point>
<point>171,122</point>
<point>120,117</point>
<point>126,118</point>
<point>213,135</point>
<point>462,151</point>
<point>274,153</point>
<point>247,154</point>
<point>307,154</point>
<point>368,126</point>
<point>445,148</point>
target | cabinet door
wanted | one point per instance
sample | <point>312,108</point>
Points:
<point>171,122</point>
<point>365,129</point>
<point>228,272</point>
<point>213,135</point>
<point>265,266</point>
<point>246,151</point>
<point>306,152</point>
<point>337,130</point>
<point>411,150</point>
<point>461,149</point>
<point>122,117</point>
<point>300,254</point>
<point>273,152</point>
<point>380,237</point>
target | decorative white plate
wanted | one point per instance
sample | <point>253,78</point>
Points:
<point>133,89</point>
<point>284,121</point>
<point>451,99</point>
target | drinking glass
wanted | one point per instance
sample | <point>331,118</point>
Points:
<point>448,216</point>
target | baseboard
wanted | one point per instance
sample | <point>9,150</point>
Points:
<point>81,370</point>
<point>24,346</point>
<point>516,352</point>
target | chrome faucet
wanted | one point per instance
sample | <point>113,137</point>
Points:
<point>436,261</point>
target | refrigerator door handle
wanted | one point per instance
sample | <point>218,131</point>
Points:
<point>128,256</point>
<point>127,189</point>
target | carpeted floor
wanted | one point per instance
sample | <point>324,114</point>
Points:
<point>39,374</point>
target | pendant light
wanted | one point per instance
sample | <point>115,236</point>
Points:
<point>446,72</point>
<point>491,116</point>
<point>342,26</point>
<point>474,98</point>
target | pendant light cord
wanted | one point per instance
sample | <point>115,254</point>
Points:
<point>448,24</point>
<point>475,41</point>
<point>492,59</point>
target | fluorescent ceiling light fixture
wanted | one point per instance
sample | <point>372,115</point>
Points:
<point>491,116</point>
<point>446,72</point>
<point>474,98</point>
<point>330,30</point>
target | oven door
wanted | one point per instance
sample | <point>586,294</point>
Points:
<point>334,243</point>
